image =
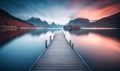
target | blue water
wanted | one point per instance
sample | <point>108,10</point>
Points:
<point>100,49</point>
<point>20,53</point>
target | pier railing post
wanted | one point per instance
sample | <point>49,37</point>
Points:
<point>70,42</point>
<point>50,38</point>
<point>46,43</point>
<point>72,45</point>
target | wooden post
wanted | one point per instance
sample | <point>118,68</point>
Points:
<point>73,46</point>
<point>50,38</point>
<point>46,43</point>
<point>70,42</point>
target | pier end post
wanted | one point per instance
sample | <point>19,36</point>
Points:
<point>46,43</point>
<point>72,45</point>
<point>70,42</point>
<point>50,38</point>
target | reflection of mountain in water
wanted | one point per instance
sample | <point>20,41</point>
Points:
<point>110,33</point>
<point>6,36</point>
<point>38,32</point>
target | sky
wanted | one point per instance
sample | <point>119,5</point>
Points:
<point>61,11</point>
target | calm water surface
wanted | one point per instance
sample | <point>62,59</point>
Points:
<point>20,53</point>
<point>99,49</point>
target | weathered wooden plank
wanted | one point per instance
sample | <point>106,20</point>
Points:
<point>59,56</point>
<point>60,67</point>
<point>58,70</point>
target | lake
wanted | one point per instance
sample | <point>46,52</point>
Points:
<point>100,49</point>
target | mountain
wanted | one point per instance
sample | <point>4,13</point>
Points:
<point>79,21</point>
<point>111,21</point>
<point>53,25</point>
<point>37,22</point>
<point>7,20</point>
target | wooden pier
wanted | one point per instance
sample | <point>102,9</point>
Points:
<point>59,56</point>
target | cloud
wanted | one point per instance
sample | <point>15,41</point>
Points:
<point>61,11</point>
<point>96,14</point>
<point>98,10</point>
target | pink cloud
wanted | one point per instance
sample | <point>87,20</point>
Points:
<point>97,13</point>
<point>97,10</point>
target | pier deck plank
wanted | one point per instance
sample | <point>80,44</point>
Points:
<point>59,56</point>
